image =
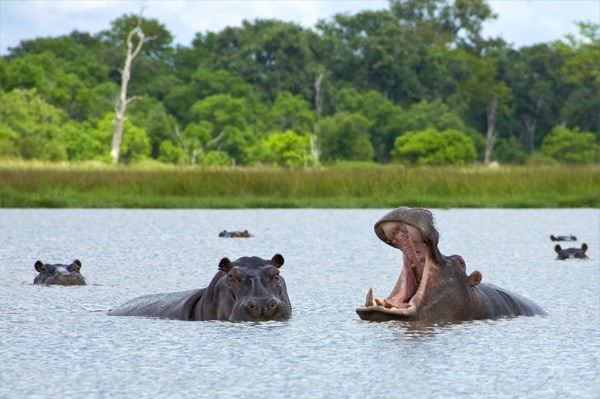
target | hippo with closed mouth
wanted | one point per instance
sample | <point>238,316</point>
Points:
<point>433,287</point>
<point>58,274</point>
<point>563,238</point>
<point>571,253</point>
<point>247,289</point>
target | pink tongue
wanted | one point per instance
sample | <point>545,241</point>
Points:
<point>409,289</point>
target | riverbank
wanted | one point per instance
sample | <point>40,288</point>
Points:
<point>49,185</point>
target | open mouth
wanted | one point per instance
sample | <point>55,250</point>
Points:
<point>402,301</point>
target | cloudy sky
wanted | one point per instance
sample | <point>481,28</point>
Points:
<point>520,22</point>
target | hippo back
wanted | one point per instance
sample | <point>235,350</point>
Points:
<point>170,305</point>
<point>497,302</point>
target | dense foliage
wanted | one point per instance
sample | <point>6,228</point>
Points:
<point>411,84</point>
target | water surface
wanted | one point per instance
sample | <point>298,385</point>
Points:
<point>58,341</point>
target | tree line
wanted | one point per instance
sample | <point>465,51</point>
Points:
<point>415,83</point>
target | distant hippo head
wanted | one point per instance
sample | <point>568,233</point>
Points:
<point>563,238</point>
<point>571,253</point>
<point>248,289</point>
<point>431,286</point>
<point>59,274</point>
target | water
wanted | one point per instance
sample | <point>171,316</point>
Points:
<point>58,341</point>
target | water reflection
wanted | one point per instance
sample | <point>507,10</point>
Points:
<point>418,330</point>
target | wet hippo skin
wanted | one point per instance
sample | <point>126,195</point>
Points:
<point>247,289</point>
<point>433,287</point>
<point>571,253</point>
<point>58,274</point>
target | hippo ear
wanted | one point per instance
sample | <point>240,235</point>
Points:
<point>39,266</point>
<point>277,260</point>
<point>225,265</point>
<point>77,262</point>
<point>475,278</point>
<point>584,247</point>
<point>558,249</point>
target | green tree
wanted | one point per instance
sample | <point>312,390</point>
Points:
<point>291,112</point>
<point>387,121</point>
<point>283,149</point>
<point>581,54</point>
<point>432,147</point>
<point>272,55</point>
<point>134,148</point>
<point>31,123</point>
<point>345,137</point>
<point>571,146</point>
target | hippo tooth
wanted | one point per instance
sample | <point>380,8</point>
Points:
<point>369,300</point>
<point>388,304</point>
<point>378,302</point>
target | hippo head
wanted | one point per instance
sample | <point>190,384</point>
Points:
<point>571,253</point>
<point>250,289</point>
<point>59,274</point>
<point>431,286</point>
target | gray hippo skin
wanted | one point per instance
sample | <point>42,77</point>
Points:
<point>563,238</point>
<point>571,253</point>
<point>433,287</point>
<point>58,274</point>
<point>247,289</point>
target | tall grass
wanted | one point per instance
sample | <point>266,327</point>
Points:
<point>372,186</point>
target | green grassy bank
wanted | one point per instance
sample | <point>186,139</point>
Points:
<point>33,185</point>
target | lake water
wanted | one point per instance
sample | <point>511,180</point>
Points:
<point>58,341</point>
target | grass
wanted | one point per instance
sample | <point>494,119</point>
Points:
<point>48,185</point>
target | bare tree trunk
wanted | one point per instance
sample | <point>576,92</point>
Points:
<point>491,122</point>
<point>530,126</point>
<point>314,148</point>
<point>123,101</point>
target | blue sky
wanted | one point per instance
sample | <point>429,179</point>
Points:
<point>520,22</point>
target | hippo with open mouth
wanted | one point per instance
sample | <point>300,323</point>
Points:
<point>433,287</point>
<point>247,289</point>
<point>58,274</point>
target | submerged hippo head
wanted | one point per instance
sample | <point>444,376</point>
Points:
<point>59,274</point>
<point>247,289</point>
<point>571,253</point>
<point>433,287</point>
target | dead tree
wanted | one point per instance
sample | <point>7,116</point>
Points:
<point>314,148</point>
<point>491,123</point>
<point>123,100</point>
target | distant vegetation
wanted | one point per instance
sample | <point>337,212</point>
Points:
<point>345,185</point>
<point>415,84</point>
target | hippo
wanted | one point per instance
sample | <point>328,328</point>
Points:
<point>433,287</point>
<point>235,234</point>
<point>563,238</point>
<point>571,253</point>
<point>247,289</point>
<point>59,274</point>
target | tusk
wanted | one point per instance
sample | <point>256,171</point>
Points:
<point>369,299</point>
<point>388,304</point>
<point>378,302</point>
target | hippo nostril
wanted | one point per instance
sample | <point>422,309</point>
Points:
<point>251,306</point>
<point>273,304</point>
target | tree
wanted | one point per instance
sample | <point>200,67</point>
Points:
<point>581,55</point>
<point>432,147</point>
<point>345,137</point>
<point>283,149</point>
<point>123,100</point>
<point>571,146</point>
<point>29,122</point>
<point>387,120</point>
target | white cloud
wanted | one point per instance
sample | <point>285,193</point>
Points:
<point>527,22</point>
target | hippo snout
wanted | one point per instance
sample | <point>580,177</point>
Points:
<point>267,308</point>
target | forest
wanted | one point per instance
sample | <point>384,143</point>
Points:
<point>415,84</point>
